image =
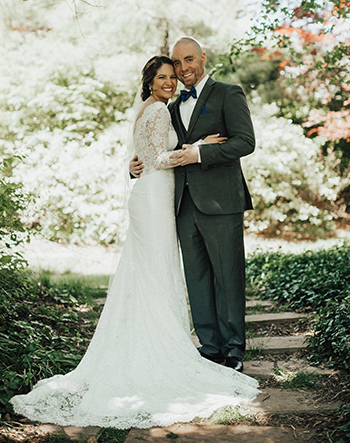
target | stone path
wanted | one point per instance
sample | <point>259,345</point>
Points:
<point>270,401</point>
<point>219,434</point>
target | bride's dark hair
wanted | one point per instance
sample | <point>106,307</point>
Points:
<point>149,72</point>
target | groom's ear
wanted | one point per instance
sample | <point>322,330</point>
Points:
<point>204,58</point>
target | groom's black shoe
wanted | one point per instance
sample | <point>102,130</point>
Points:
<point>216,358</point>
<point>235,363</point>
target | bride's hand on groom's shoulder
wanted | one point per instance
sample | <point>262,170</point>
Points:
<point>135,167</point>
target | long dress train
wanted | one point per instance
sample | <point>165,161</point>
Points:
<point>141,368</point>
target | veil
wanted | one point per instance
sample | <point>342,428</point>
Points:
<point>123,213</point>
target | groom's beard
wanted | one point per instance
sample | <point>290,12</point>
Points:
<point>195,78</point>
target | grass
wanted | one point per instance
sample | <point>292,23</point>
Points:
<point>253,352</point>
<point>14,435</point>
<point>229,415</point>
<point>95,286</point>
<point>300,380</point>
<point>45,328</point>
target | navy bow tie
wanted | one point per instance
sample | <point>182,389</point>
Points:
<point>185,95</point>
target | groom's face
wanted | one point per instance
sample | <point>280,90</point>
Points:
<point>189,64</point>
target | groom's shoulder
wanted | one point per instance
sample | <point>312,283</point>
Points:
<point>224,86</point>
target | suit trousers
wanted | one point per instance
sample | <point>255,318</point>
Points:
<point>213,255</point>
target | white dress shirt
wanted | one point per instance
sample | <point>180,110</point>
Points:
<point>187,107</point>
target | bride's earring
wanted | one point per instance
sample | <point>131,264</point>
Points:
<point>150,89</point>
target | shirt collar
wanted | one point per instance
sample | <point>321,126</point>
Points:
<point>200,85</point>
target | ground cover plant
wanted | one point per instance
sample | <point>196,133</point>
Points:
<point>317,281</point>
<point>44,330</point>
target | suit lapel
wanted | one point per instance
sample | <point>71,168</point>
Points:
<point>205,94</point>
<point>177,122</point>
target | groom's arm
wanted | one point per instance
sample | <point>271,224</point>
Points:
<point>240,132</point>
<point>135,167</point>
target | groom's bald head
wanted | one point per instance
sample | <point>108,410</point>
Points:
<point>184,41</point>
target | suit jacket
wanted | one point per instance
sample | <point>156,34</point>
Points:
<point>216,185</point>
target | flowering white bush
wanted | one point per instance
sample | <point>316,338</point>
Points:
<point>62,106</point>
<point>79,184</point>
<point>293,187</point>
<point>71,131</point>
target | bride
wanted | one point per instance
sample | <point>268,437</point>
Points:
<point>141,368</point>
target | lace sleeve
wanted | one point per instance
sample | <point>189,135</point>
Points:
<point>157,134</point>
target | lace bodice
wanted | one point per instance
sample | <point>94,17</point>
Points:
<point>154,138</point>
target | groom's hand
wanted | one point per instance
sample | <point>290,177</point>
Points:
<point>135,167</point>
<point>187,156</point>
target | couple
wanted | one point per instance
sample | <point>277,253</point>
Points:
<point>141,368</point>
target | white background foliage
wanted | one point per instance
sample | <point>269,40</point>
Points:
<point>65,86</point>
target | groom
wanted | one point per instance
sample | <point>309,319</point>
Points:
<point>210,197</point>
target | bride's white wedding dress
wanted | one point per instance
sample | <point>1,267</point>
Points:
<point>141,368</point>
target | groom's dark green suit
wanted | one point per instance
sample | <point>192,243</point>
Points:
<point>210,198</point>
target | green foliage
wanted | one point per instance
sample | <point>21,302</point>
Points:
<point>332,331</point>
<point>306,281</point>
<point>319,14</point>
<point>94,286</point>
<point>342,433</point>
<point>43,331</point>
<point>297,57</point>
<point>12,230</point>
<point>253,73</point>
<point>109,435</point>
<point>314,280</point>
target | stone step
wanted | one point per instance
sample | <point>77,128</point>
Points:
<point>285,401</point>
<point>75,433</point>
<point>271,345</point>
<point>262,369</point>
<point>219,434</point>
<point>269,401</point>
<point>277,345</point>
<point>277,319</point>
<point>253,303</point>
<point>249,304</point>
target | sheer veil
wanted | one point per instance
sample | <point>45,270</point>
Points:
<point>123,216</point>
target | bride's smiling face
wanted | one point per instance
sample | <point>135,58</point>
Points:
<point>164,83</point>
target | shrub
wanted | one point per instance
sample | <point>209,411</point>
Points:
<point>294,188</point>
<point>314,280</point>
<point>43,331</point>
<point>332,332</point>
<point>12,230</point>
<point>70,127</point>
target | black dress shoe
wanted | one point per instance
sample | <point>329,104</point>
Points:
<point>235,363</point>
<point>216,358</point>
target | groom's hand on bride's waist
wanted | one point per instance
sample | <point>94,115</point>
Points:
<point>135,167</point>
